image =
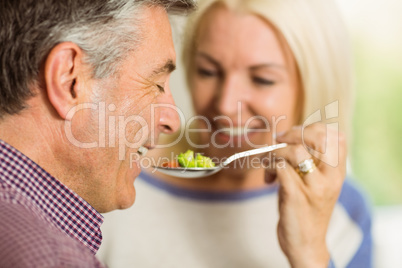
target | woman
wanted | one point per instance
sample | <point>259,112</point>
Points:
<point>259,73</point>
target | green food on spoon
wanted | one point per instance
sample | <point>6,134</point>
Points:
<point>188,160</point>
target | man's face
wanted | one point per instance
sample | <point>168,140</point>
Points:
<point>126,117</point>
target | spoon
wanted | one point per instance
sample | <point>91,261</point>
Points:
<point>192,173</point>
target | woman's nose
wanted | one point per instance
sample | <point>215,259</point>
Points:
<point>231,95</point>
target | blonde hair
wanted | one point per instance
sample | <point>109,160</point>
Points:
<point>315,34</point>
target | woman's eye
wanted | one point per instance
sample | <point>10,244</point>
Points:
<point>207,73</point>
<point>263,81</point>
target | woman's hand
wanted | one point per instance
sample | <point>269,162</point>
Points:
<point>306,201</point>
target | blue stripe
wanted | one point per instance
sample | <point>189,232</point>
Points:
<point>206,195</point>
<point>331,264</point>
<point>355,204</point>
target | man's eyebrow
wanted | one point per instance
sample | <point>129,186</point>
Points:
<point>168,67</point>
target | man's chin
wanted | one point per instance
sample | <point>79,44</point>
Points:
<point>127,199</point>
<point>123,202</point>
<point>124,199</point>
<point>127,203</point>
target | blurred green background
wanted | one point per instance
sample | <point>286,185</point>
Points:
<point>376,151</point>
<point>377,143</point>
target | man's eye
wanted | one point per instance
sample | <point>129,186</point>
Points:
<point>263,81</point>
<point>161,88</point>
<point>207,73</point>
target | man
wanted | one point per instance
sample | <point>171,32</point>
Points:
<point>77,86</point>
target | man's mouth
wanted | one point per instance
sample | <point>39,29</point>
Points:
<point>142,150</point>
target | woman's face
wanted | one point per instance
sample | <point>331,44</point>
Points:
<point>243,82</point>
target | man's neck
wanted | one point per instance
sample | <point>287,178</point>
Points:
<point>24,133</point>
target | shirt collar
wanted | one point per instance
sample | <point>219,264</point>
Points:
<point>66,210</point>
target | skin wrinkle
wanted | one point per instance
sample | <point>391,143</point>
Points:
<point>98,174</point>
<point>132,95</point>
<point>125,101</point>
<point>147,83</point>
<point>127,108</point>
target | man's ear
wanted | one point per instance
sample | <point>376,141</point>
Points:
<point>62,68</point>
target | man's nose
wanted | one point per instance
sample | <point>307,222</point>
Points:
<point>169,121</point>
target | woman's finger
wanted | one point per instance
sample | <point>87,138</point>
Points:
<point>301,161</point>
<point>288,178</point>
<point>294,154</point>
<point>325,144</point>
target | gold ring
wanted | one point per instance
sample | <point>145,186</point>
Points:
<point>305,167</point>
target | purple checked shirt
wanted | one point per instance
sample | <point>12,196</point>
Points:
<point>42,222</point>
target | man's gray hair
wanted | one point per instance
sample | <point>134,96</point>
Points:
<point>29,29</point>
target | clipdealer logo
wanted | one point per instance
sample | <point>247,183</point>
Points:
<point>112,129</point>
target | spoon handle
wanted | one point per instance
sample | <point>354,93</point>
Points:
<point>253,152</point>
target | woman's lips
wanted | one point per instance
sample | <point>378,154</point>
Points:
<point>225,134</point>
<point>234,131</point>
<point>224,137</point>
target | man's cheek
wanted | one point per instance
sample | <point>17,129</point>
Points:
<point>133,133</point>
